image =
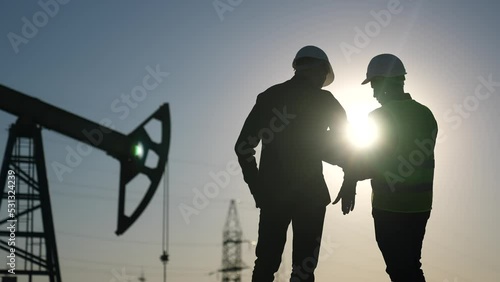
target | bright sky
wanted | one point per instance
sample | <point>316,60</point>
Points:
<point>219,55</point>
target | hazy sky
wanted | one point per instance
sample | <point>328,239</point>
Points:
<point>85,56</point>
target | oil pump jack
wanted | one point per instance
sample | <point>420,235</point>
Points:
<point>24,158</point>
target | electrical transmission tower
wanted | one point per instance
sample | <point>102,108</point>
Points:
<point>231,247</point>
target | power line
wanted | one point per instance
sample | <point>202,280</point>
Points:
<point>93,237</point>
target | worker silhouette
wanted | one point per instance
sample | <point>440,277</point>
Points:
<point>291,120</point>
<point>401,168</point>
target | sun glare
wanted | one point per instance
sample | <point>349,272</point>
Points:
<point>362,131</point>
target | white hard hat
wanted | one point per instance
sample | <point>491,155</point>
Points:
<point>315,53</point>
<point>385,65</point>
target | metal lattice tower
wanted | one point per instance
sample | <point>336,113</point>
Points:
<point>35,241</point>
<point>231,247</point>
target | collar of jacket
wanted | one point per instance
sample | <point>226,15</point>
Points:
<point>400,97</point>
<point>303,79</point>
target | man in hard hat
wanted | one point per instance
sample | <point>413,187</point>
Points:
<point>291,121</point>
<point>401,168</point>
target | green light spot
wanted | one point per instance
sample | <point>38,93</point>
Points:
<point>138,150</point>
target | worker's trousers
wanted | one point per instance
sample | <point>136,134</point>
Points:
<point>399,238</point>
<point>307,227</point>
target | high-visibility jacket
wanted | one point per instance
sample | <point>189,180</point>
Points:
<point>404,171</point>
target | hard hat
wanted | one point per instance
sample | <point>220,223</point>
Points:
<point>385,65</point>
<point>315,53</point>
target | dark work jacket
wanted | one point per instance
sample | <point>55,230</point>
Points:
<point>290,120</point>
<point>401,162</point>
<point>403,181</point>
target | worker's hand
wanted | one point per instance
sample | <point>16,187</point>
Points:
<point>347,194</point>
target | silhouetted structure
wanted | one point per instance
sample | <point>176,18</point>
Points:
<point>24,179</point>
<point>35,243</point>
<point>231,247</point>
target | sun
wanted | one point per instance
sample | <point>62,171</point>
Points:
<point>362,131</point>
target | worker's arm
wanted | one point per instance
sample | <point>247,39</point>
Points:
<point>245,150</point>
<point>335,141</point>
<point>363,163</point>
